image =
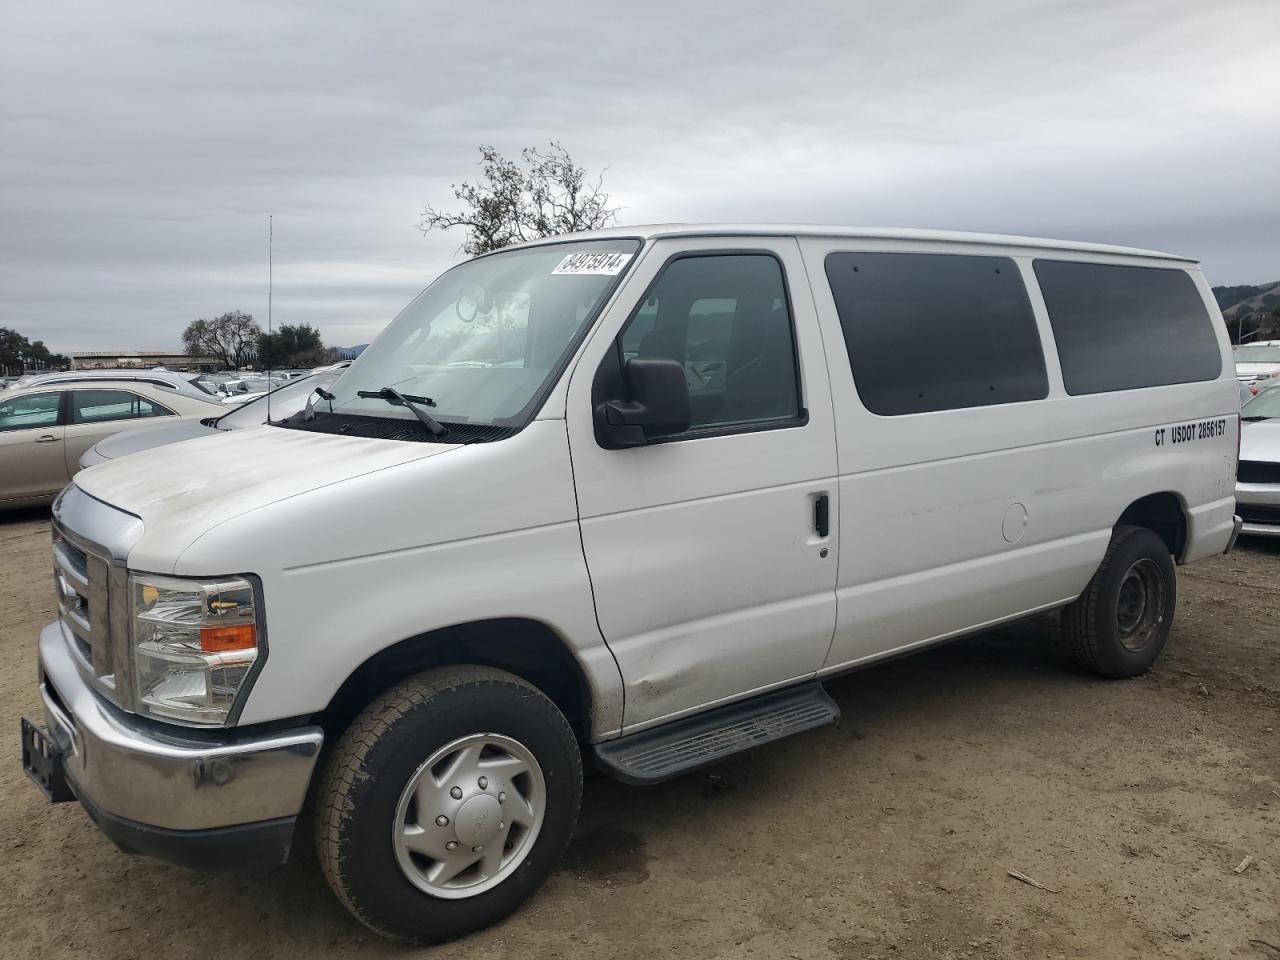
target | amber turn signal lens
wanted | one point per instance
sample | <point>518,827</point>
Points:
<point>241,636</point>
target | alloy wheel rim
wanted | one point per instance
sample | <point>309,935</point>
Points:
<point>1140,605</point>
<point>469,816</point>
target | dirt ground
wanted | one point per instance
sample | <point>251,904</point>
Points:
<point>890,835</point>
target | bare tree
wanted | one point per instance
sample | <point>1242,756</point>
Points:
<point>231,338</point>
<point>541,195</point>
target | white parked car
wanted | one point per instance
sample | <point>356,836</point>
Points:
<point>46,426</point>
<point>329,367</point>
<point>1258,478</point>
<point>1257,364</point>
<point>247,388</point>
<point>625,500</point>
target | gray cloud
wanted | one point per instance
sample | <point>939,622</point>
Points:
<point>143,144</point>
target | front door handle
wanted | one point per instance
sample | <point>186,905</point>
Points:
<point>822,515</point>
<point>46,439</point>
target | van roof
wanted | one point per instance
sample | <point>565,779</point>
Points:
<point>655,231</point>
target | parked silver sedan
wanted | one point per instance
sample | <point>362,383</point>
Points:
<point>1258,479</point>
<point>46,426</point>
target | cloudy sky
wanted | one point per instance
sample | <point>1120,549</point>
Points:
<point>142,145</point>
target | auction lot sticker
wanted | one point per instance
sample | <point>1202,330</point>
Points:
<point>592,264</point>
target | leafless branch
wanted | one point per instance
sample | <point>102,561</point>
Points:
<point>544,194</point>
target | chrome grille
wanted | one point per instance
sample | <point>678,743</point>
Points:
<point>91,541</point>
<point>81,584</point>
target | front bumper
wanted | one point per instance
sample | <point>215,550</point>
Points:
<point>1259,506</point>
<point>1236,526</point>
<point>193,797</point>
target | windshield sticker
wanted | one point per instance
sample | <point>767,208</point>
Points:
<point>592,264</point>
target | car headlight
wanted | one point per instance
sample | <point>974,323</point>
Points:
<point>195,643</point>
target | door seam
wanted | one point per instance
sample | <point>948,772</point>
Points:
<point>595,609</point>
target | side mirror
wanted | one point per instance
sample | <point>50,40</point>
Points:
<point>657,404</point>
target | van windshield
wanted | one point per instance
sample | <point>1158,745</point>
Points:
<point>480,343</point>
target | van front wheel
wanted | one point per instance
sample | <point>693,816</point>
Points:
<point>447,802</point>
<point>1121,622</point>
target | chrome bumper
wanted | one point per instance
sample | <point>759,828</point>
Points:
<point>1260,500</point>
<point>162,776</point>
<point>1236,526</point>
<point>1261,529</point>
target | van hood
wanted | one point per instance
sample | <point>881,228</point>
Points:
<point>182,490</point>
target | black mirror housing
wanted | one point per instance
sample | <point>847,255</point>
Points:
<point>657,404</point>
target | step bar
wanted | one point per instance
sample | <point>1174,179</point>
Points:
<point>675,748</point>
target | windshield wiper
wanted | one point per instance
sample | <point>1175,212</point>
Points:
<point>307,412</point>
<point>394,396</point>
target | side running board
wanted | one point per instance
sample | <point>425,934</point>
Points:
<point>660,753</point>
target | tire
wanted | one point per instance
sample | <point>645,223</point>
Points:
<point>1120,624</point>
<point>368,824</point>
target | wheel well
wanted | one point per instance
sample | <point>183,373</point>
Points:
<point>1161,513</point>
<point>527,648</point>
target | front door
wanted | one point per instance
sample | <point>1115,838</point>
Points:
<point>31,445</point>
<point>711,560</point>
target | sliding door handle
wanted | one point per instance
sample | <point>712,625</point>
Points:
<point>822,515</point>
<point>46,439</point>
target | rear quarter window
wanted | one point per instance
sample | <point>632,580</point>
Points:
<point>932,332</point>
<point>1125,327</point>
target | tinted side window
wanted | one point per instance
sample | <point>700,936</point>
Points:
<point>97,406</point>
<point>936,331</point>
<point>639,327</point>
<point>727,320</point>
<point>1120,328</point>
<point>30,411</point>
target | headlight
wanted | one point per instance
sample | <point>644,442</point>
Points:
<point>194,644</point>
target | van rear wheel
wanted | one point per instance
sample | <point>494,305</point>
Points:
<point>447,802</point>
<point>1121,622</point>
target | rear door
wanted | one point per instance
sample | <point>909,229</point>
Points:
<point>32,463</point>
<point>956,511</point>
<point>100,412</point>
<point>711,578</point>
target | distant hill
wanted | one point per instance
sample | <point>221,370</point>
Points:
<point>1247,299</point>
<point>350,353</point>
<point>1250,312</point>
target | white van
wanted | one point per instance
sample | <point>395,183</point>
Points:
<point>625,500</point>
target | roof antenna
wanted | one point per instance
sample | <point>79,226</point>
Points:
<point>270,278</point>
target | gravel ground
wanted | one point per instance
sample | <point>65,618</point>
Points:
<point>889,835</point>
